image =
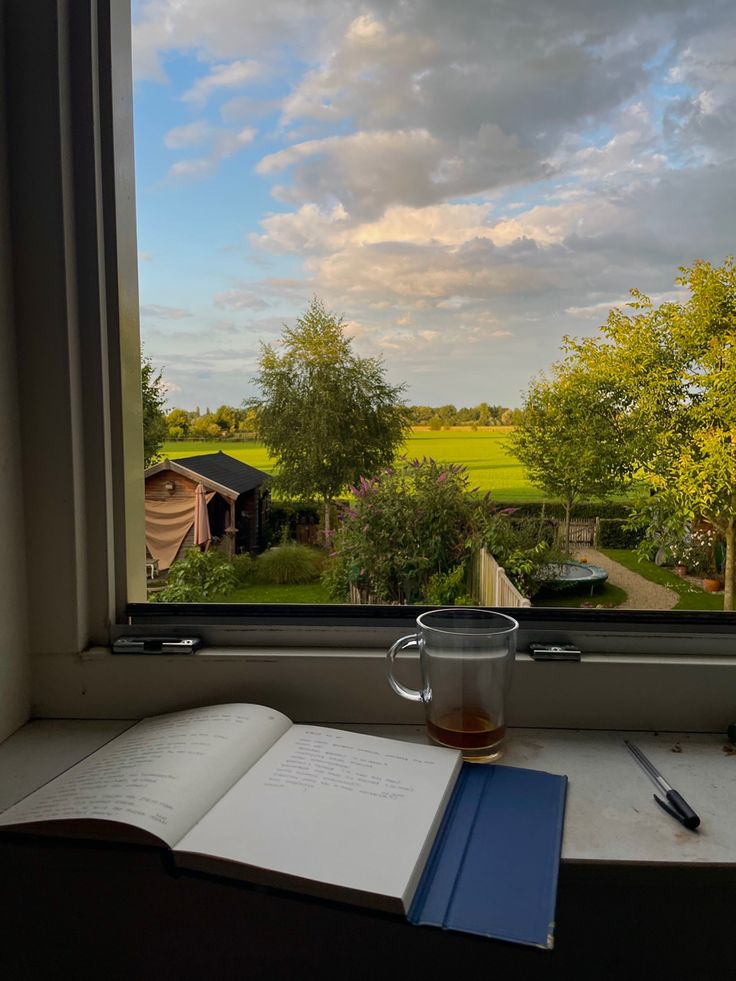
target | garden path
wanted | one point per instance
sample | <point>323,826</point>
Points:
<point>641,593</point>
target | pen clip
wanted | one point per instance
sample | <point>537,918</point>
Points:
<point>680,809</point>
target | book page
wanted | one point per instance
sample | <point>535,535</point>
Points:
<point>162,774</point>
<point>354,811</point>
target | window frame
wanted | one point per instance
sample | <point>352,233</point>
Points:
<point>81,226</point>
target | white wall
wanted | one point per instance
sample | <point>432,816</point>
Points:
<point>14,673</point>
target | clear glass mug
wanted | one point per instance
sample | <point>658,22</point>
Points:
<point>466,658</point>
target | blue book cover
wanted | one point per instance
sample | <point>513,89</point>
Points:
<point>494,864</point>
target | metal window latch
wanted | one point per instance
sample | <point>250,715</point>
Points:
<point>156,645</point>
<point>554,652</point>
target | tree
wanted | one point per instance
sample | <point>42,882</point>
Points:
<point>326,415</point>
<point>154,420</point>
<point>567,440</point>
<point>177,424</point>
<point>674,369</point>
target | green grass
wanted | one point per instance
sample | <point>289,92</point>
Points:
<point>606,595</point>
<point>312,592</point>
<point>491,466</point>
<point>691,597</point>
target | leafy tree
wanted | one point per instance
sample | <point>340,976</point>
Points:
<point>177,424</point>
<point>154,420</point>
<point>324,413</point>
<point>673,369</point>
<point>567,440</point>
<point>205,427</point>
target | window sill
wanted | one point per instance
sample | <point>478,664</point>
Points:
<point>610,818</point>
<point>348,685</point>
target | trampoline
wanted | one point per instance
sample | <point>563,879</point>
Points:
<point>571,575</point>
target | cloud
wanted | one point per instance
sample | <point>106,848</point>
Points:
<point>223,30</point>
<point>145,256</point>
<point>225,143</point>
<point>191,134</point>
<point>238,299</point>
<point>465,187</point>
<point>164,313</point>
<point>366,172</point>
<point>236,74</point>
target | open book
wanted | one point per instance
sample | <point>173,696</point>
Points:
<point>240,791</point>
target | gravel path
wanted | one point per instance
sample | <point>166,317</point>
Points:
<point>641,593</point>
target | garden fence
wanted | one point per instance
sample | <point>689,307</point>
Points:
<point>489,584</point>
<point>583,531</point>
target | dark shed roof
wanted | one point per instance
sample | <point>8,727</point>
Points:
<point>225,470</point>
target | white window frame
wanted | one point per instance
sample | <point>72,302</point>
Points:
<point>74,231</point>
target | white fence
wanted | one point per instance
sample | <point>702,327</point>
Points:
<point>489,584</point>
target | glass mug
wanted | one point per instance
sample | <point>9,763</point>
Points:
<point>466,658</point>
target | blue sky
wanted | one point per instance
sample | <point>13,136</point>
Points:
<point>464,183</point>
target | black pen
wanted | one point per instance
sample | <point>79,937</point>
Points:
<point>679,809</point>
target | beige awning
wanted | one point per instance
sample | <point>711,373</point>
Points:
<point>167,525</point>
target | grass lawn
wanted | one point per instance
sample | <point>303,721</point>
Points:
<point>606,595</point>
<point>490,464</point>
<point>691,597</point>
<point>311,592</point>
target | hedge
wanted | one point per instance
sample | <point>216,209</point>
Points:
<point>613,533</point>
<point>311,512</point>
<point>586,509</point>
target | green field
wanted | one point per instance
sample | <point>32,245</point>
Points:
<point>484,452</point>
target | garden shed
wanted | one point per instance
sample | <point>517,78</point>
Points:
<point>237,498</point>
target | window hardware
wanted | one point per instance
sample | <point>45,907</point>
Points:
<point>554,652</point>
<point>156,645</point>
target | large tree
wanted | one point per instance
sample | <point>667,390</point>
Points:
<point>674,369</point>
<point>568,440</point>
<point>326,415</point>
<point>154,420</point>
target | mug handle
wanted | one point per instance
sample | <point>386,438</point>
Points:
<point>403,644</point>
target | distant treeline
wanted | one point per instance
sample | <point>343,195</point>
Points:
<point>228,422</point>
<point>448,415</point>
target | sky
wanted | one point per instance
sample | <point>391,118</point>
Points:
<point>464,183</point>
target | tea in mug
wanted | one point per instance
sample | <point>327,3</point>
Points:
<point>466,730</point>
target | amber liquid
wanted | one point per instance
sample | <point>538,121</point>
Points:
<point>467,730</point>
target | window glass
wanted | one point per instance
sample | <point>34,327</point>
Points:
<point>390,348</point>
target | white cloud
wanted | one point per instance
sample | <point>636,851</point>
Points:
<point>456,181</point>
<point>366,172</point>
<point>191,134</point>
<point>238,299</point>
<point>191,169</point>
<point>236,74</point>
<point>163,312</point>
<point>225,144</point>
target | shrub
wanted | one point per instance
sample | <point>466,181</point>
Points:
<point>524,547</point>
<point>618,533</point>
<point>401,528</point>
<point>289,564</point>
<point>449,588</point>
<point>197,578</point>
<point>245,568</point>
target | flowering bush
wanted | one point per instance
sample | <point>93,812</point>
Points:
<point>403,527</point>
<point>698,553</point>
